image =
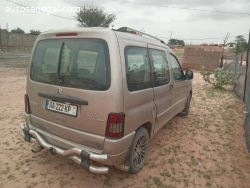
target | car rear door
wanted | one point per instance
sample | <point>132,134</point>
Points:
<point>75,105</point>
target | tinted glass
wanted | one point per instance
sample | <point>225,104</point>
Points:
<point>161,68</point>
<point>138,68</point>
<point>87,60</point>
<point>176,68</point>
<point>83,63</point>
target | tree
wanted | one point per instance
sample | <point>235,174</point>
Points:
<point>177,42</point>
<point>94,16</point>
<point>35,32</point>
<point>239,39</point>
<point>238,48</point>
<point>240,44</point>
<point>17,30</point>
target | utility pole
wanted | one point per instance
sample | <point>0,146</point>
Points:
<point>246,99</point>
<point>171,32</point>
<point>222,55</point>
<point>142,30</point>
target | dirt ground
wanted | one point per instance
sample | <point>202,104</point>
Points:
<point>205,149</point>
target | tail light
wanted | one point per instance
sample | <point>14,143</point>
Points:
<point>27,104</point>
<point>115,126</point>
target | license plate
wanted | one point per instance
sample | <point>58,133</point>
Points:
<point>61,107</point>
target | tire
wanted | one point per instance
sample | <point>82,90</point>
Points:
<point>187,106</point>
<point>139,150</point>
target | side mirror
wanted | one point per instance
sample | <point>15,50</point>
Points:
<point>189,75</point>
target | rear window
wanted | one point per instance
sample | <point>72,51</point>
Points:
<point>76,63</point>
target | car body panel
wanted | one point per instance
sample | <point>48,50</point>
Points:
<point>138,105</point>
<point>163,96</point>
<point>91,118</point>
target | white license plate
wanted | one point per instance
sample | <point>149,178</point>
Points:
<point>61,107</point>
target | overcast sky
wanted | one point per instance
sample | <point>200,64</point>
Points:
<point>155,20</point>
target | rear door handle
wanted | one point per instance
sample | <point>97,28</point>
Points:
<point>153,111</point>
<point>171,87</point>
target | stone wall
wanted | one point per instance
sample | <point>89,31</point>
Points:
<point>16,40</point>
<point>195,56</point>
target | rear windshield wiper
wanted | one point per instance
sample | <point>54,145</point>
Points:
<point>59,64</point>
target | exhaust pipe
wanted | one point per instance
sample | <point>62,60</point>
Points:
<point>36,149</point>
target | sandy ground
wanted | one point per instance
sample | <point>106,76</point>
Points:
<point>205,149</point>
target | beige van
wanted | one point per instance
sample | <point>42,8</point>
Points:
<point>100,95</point>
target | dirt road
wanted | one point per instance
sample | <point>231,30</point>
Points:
<point>205,149</point>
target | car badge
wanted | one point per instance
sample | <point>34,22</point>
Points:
<point>59,90</point>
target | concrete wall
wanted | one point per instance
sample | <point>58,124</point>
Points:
<point>195,56</point>
<point>16,40</point>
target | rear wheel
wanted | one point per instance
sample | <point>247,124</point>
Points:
<point>138,150</point>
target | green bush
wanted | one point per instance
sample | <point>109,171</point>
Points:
<point>219,78</point>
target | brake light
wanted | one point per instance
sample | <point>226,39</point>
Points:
<point>66,34</point>
<point>27,104</point>
<point>115,126</point>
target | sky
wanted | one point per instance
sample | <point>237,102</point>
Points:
<point>161,21</point>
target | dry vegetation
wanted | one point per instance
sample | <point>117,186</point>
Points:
<point>205,149</point>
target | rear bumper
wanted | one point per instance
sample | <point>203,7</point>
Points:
<point>81,157</point>
<point>114,152</point>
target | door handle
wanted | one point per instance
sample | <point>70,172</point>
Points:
<point>171,87</point>
<point>153,111</point>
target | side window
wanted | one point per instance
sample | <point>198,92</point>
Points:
<point>161,68</point>
<point>138,68</point>
<point>176,68</point>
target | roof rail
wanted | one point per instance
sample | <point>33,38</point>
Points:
<point>133,31</point>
